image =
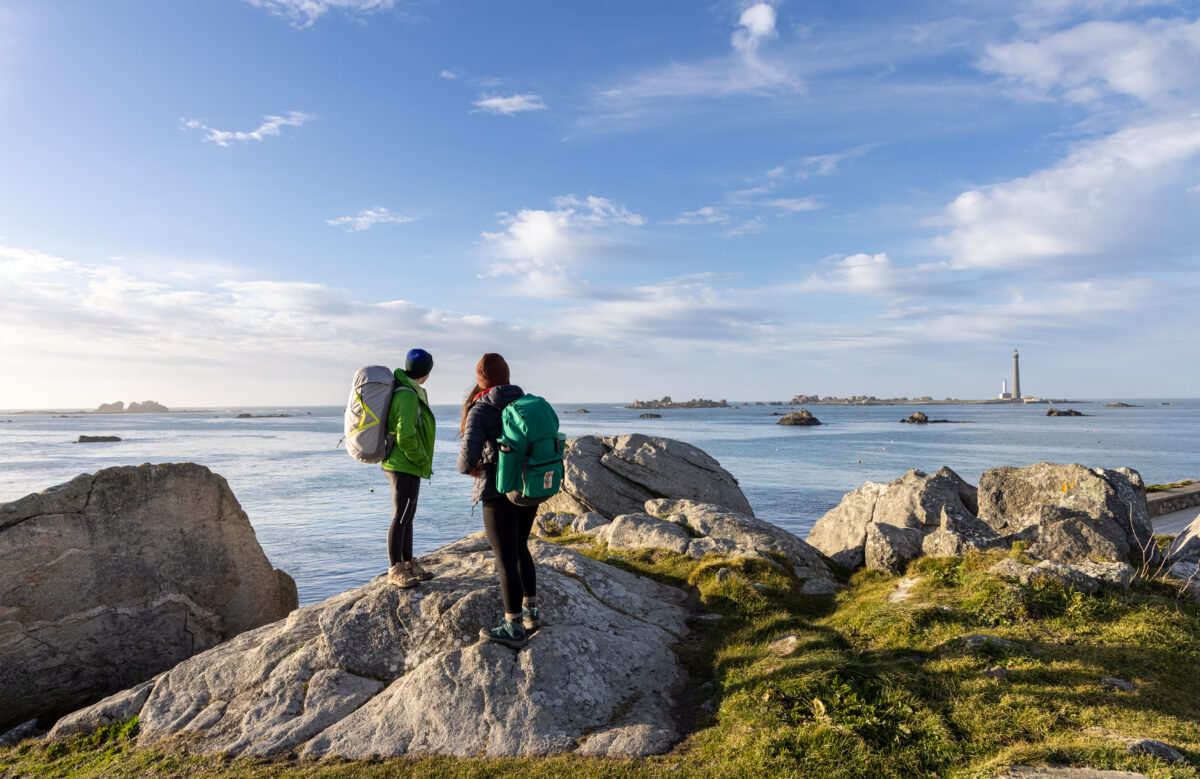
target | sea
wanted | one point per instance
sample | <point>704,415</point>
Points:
<point>323,517</point>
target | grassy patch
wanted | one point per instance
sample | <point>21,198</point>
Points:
<point>861,687</point>
<point>1171,486</point>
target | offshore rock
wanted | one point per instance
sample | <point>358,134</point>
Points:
<point>383,672</point>
<point>617,475</point>
<point>803,417</point>
<point>735,533</point>
<point>113,577</point>
<point>916,500</point>
<point>1103,507</point>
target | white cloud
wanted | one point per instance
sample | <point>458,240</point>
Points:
<point>747,227</point>
<point>744,71</point>
<point>702,216</point>
<point>508,106</point>
<point>270,127</point>
<point>540,245</point>
<point>869,274</point>
<point>303,13</point>
<point>1105,200</point>
<point>449,75</point>
<point>796,204</point>
<point>369,217</point>
<point>1156,62</point>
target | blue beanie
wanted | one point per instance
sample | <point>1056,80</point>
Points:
<point>418,363</point>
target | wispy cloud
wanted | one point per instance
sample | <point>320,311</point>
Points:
<point>508,106</point>
<point>795,204</point>
<point>270,127</point>
<point>368,218</point>
<point>304,13</point>
<point>702,216</point>
<point>744,71</point>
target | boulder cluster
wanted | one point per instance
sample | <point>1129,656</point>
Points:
<point>803,418</point>
<point>1090,521</point>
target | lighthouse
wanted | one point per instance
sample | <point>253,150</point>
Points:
<point>1016,393</point>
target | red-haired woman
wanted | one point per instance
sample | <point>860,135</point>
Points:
<point>507,524</point>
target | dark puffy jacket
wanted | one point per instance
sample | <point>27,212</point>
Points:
<point>480,435</point>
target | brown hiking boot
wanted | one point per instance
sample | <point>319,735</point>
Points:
<point>418,571</point>
<point>401,575</point>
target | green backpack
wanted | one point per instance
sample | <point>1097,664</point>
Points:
<point>531,451</point>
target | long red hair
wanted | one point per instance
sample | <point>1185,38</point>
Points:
<point>490,371</point>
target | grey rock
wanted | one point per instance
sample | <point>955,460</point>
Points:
<point>1140,746</point>
<point>617,475</point>
<point>819,587</point>
<point>19,733</point>
<point>589,523</point>
<point>958,533</point>
<point>1066,575</point>
<point>1110,503</point>
<point>803,418</point>
<point>113,709</point>
<point>997,672</point>
<point>1085,577</point>
<point>784,645</point>
<point>599,678</point>
<point>1116,684</point>
<point>1070,536</point>
<point>745,533</point>
<point>977,640</point>
<point>890,548</point>
<point>113,577</point>
<point>551,524</point>
<point>1064,772</point>
<point>1186,545</point>
<point>702,546</point>
<point>916,500</point>
<point>1014,569</point>
<point>642,531</point>
<point>1119,575</point>
<point>97,439</point>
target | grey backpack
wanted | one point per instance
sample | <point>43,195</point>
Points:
<point>367,436</point>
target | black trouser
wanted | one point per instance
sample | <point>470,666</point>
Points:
<point>405,488</point>
<point>508,527</point>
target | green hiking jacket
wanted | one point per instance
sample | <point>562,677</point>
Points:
<point>413,452</point>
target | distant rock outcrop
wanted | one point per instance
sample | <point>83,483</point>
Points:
<point>145,407</point>
<point>1118,404</point>
<point>919,418</point>
<point>649,416</point>
<point>111,408</point>
<point>384,672</point>
<point>618,474</point>
<point>666,402</point>
<point>1064,412</point>
<point>803,417</point>
<point>114,577</point>
<point>97,439</point>
<point>1066,514</point>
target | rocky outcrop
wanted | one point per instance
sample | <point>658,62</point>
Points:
<point>1084,513</point>
<point>617,475</point>
<point>381,672</point>
<point>1087,577</point>
<point>147,407</point>
<point>919,418</point>
<point>803,418</point>
<point>1065,412</point>
<point>97,439</point>
<point>1186,545</point>
<point>916,500</point>
<point>890,548</point>
<point>649,415</point>
<point>115,407</point>
<point>720,530</point>
<point>666,402</point>
<point>113,577</point>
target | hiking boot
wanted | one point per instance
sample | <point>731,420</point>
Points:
<point>507,633</point>
<point>401,575</point>
<point>418,571</point>
<point>529,618</point>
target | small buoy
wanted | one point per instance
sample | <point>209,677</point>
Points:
<point>860,461</point>
<point>372,489</point>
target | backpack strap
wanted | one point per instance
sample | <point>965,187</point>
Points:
<point>402,388</point>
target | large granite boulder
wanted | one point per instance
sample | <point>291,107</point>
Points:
<point>1103,511</point>
<point>916,500</point>
<point>891,548</point>
<point>113,577</point>
<point>617,475</point>
<point>1186,545</point>
<point>718,529</point>
<point>379,671</point>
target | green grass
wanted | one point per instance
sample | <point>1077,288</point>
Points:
<point>871,689</point>
<point>1171,486</point>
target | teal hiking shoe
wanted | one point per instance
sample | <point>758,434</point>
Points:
<point>507,633</point>
<point>529,618</point>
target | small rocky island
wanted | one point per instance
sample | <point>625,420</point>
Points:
<point>919,418</point>
<point>97,439</point>
<point>666,402</point>
<point>1065,412</point>
<point>803,418</point>
<point>145,407</point>
<point>1119,404</point>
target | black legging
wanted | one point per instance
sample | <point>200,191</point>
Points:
<point>405,488</point>
<point>508,527</point>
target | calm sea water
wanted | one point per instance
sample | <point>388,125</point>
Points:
<point>323,517</point>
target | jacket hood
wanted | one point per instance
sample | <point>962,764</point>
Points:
<point>501,396</point>
<point>402,377</point>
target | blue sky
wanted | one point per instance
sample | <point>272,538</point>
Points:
<point>242,201</point>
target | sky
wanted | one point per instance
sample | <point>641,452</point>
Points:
<point>240,202</point>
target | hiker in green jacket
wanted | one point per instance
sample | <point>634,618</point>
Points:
<point>411,459</point>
